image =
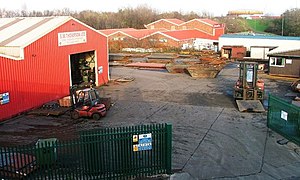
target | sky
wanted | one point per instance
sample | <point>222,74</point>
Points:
<point>214,7</point>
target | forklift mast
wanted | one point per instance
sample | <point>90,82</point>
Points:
<point>248,87</point>
<point>248,74</point>
<point>249,90</point>
<point>73,96</point>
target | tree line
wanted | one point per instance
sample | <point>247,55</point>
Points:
<point>123,18</point>
<point>288,24</point>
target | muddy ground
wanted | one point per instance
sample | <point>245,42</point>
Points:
<point>211,138</point>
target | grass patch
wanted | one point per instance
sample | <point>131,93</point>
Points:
<point>258,25</point>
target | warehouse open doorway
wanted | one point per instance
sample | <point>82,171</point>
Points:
<point>83,71</point>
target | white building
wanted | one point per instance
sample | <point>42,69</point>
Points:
<point>258,45</point>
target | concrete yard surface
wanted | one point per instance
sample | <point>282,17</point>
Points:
<point>211,138</point>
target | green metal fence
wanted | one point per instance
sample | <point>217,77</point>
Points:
<point>284,118</point>
<point>110,153</point>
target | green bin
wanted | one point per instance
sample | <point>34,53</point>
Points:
<point>46,153</point>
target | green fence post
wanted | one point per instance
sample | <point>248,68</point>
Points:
<point>269,111</point>
<point>299,121</point>
<point>169,148</point>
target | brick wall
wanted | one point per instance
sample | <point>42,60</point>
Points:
<point>197,25</point>
<point>119,41</point>
<point>159,41</point>
<point>163,24</point>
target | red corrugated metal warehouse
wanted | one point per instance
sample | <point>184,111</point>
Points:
<point>41,57</point>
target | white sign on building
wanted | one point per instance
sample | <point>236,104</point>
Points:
<point>4,98</point>
<point>70,38</point>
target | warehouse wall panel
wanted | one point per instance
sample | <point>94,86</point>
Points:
<point>43,75</point>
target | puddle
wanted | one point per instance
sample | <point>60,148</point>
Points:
<point>156,70</point>
<point>266,103</point>
<point>229,93</point>
<point>297,151</point>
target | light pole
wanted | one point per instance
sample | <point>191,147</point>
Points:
<point>282,22</point>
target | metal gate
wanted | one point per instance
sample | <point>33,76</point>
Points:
<point>110,153</point>
<point>284,118</point>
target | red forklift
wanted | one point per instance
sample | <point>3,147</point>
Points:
<point>87,103</point>
<point>249,90</point>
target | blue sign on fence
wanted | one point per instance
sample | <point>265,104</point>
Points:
<point>144,142</point>
<point>144,147</point>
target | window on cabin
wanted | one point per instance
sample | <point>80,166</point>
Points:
<point>227,51</point>
<point>277,61</point>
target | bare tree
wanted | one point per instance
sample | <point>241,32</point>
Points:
<point>2,13</point>
<point>206,14</point>
<point>24,12</point>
